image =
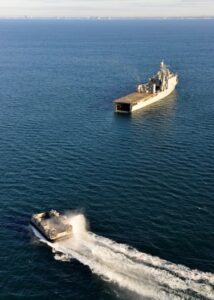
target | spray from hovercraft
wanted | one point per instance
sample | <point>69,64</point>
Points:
<point>79,224</point>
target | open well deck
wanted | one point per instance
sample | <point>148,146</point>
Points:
<point>125,103</point>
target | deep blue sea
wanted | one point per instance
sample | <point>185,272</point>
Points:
<point>145,180</point>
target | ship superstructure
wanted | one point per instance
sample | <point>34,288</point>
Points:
<point>158,87</point>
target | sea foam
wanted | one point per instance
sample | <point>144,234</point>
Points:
<point>136,271</point>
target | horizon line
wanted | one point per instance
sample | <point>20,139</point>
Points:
<point>109,18</point>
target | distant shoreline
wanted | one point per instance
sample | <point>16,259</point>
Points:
<point>105,18</point>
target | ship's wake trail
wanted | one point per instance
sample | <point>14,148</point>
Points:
<point>141,273</point>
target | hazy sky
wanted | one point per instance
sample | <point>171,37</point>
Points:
<point>116,8</point>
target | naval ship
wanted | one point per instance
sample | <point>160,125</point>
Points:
<point>158,87</point>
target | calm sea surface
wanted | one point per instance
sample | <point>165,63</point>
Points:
<point>146,180</point>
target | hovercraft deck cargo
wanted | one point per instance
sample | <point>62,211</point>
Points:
<point>52,225</point>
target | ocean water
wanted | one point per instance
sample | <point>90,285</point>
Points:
<point>145,180</point>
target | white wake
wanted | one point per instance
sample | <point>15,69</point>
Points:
<point>141,273</point>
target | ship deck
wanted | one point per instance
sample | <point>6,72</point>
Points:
<point>133,98</point>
